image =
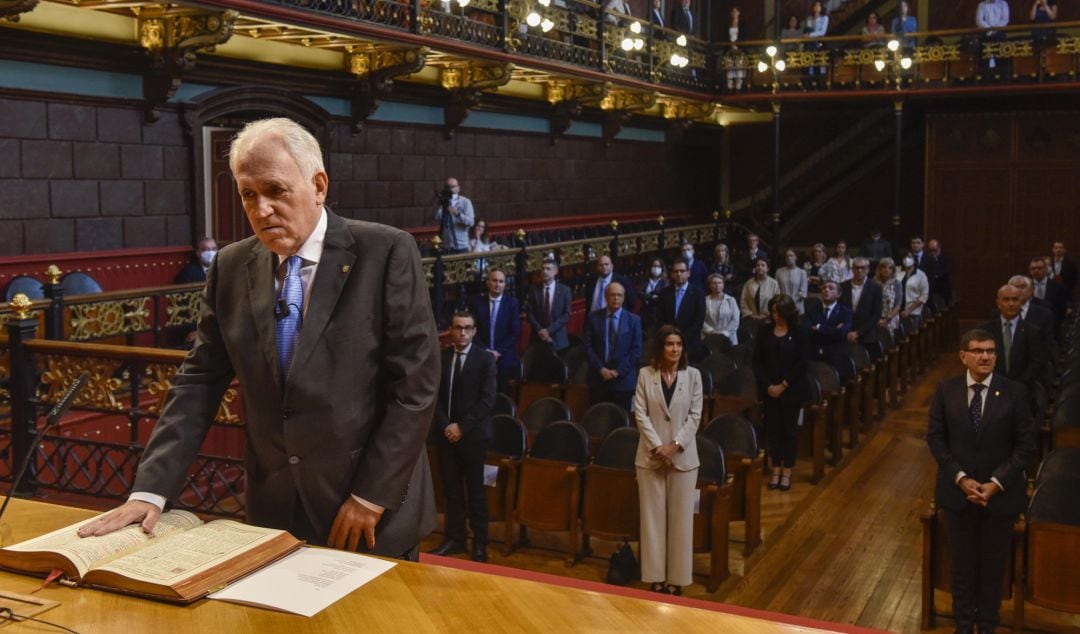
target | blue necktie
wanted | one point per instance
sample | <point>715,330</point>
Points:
<point>678,300</point>
<point>975,410</point>
<point>600,299</point>
<point>491,324</point>
<point>288,325</point>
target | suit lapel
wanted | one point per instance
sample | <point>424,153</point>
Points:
<point>991,406</point>
<point>337,259</point>
<point>260,271</point>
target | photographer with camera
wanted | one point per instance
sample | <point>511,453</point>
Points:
<point>455,215</point>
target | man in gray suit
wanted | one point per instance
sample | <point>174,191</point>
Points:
<point>327,325</point>
<point>548,308</point>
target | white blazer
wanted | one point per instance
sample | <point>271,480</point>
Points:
<point>660,423</point>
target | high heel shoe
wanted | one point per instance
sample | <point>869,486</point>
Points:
<point>774,481</point>
<point>658,587</point>
<point>785,480</point>
<point>675,591</point>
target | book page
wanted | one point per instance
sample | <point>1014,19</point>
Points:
<point>88,552</point>
<point>306,582</point>
<point>189,553</point>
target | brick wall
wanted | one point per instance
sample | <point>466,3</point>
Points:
<point>83,177</point>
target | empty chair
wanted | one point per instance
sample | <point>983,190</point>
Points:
<point>720,366</point>
<point>610,506</point>
<point>1053,539</point>
<point>711,520</point>
<point>508,436</point>
<point>29,286</point>
<point>543,412</point>
<point>504,453</point>
<point>737,438</point>
<point>742,354</point>
<point>504,405</point>
<point>832,391</point>
<point>864,369</point>
<point>1063,462</point>
<point>78,283</point>
<point>546,369</point>
<point>737,394</point>
<point>574,357</point>
<point>813,431</point>
<point>603,418</point>
<point>549,483</point>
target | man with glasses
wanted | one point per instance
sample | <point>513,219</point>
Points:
<point>863,297</point>
<point>982,436</point>
<point>683,305</point>
<point>462,432</point>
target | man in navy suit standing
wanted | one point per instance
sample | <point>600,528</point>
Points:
<point>683,305</point>
<point>829,323</point>
<point>698,271</point>
<point>498,326</point>
<point>982,436</point>
<point>605,275</point>
<point>613,348</point>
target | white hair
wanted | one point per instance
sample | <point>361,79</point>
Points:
<point>299,143</point>
<point>1020,281</point>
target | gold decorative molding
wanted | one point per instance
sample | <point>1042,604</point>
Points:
<point>1013,48</point>
<point>806,59</point>
<point>10,10</point>
<point>557,91</point>
<point>20,304</point>
<point>939,53</point>
<point>475,75</point>
<point>159,377</point>
<point>101,391</point>
<point>626,100</point>
<point>1068,45</point>
<point>54,274</point>
<point>365,63</point>
<point>182,309</point>
<point>110,318</point>
<point>862,56</point>
<point>679,109</point>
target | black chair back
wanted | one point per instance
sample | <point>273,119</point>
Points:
<point>858,355</point>
<point>734,434</point>
<point>717,343</point>
<point>574,357</point>
<point>602,418</point>
<point>619,449</point>
<point>78,283</point>
<point>562,440</point>
<point>742,354</point>
<point>1055,501</point>
<point>504,405</point>
<point>706,379</point>
<point>29,286</point>
<point>1063,462</point>
<point>547,370</point>
<point>713,466</point>
<point>508,436</point>
<point>825,374</point>
<point>542,412</point>
<point>741,382</point>
<point>814,395</point>
<point>720,366</point>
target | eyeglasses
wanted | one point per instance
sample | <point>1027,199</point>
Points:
<point>462,328</point>
<point>982,351</point>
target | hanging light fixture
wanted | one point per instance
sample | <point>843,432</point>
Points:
<point>533,19</point>
<point>546,25</point>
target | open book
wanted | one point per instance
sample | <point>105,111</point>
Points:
<point>184,561</point>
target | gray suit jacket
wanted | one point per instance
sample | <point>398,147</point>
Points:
<point>354,413</point>
<point>560,313</point>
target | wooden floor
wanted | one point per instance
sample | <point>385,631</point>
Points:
<point>847,550</point>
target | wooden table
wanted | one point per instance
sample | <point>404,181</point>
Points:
<point>410,598</point>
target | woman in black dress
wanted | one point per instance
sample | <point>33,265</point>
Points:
<point>780,369</point>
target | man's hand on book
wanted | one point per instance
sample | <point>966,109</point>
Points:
<point>131,512</point>
<point>354,522</point>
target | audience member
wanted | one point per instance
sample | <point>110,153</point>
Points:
<point>876,248</point>
<point>683,305</point>
<point>747,260</point>
<point>792,32</point>
<point>813,267</point>
<point>722,265</point>
<point>793,280</point>
<point>463,426</point>
<point>1035,314</point>
<point>656,16</point>
<point>841,262</point>
<point>756,293</point>
<point>940,272</point>
<point>892,295</point>
<point>1046,290</point>
<point>614,7</point>
<point>903,24</point>
<point>650,293</point>
<point>1021,355</point>
<point>548,308</point>
<point>455,215</point>
<point>873,31</point>
<point>195,270</point>
<point>828,324</point>
<point>992,15</point>
<point>780,370</point>
<point>698,270</point>
<point>817,26</point>
<point>667,408</point>
<point>498,326</point>
<point>1063,268</point>
<point>683,19</point>
<point>863,297</point>
<point>721,312</point>
<point>481,242</point>
<point>605,275</point>
<point>915,287</point>
<point>613,349</point>
<point>922,263</point>
<point>735,58</point>
<point>1043,12</point>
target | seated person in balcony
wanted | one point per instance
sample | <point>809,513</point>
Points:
<point>829,324</point>
<point>698,270</point>
<point>721,312</point>
<point>498,325</point>
<point>903,24</point>
<point>792,32</point>
<point>548,308</point>
<point>873,31</point>
<point>683,19</point>
<point>1043,12</point>
<point>455,216</point>
<point>195,271</point>
<point>863,298</point>
<point>613,7</point>
<point>613,349</point>
<point>735,59</point>
<point>605,275</point>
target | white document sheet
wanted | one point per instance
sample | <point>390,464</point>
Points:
<point>306,582</point>
<point>491,475</point>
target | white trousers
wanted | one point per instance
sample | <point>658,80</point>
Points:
<point>667,525</point>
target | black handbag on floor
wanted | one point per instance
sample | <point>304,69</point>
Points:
<point>624,567</point>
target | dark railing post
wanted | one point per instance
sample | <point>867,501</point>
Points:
<point>438,289</point>
<point>521,261</point>
<point>776,179</point>
<point>898,108</point>
<point>54,315</point>
<point>660,240</point>
<point>502,22</point>
<point>614,246</point>
<point>715,228</point>
<point>414,16</point>
<point>601,46</point>
<point>23,411</point>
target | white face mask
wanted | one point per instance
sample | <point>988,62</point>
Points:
<point>206,257</point>
<point>656,271</point>
<point>909,262</point>
<point>688,254</point>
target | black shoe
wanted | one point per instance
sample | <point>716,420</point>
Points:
<point>675,591</point>
<point>449,547</point>
<point>479,553</point>
<point>658,587</point>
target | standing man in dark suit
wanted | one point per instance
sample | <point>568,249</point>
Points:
<point>463,429</point>
<point>875,248</point>
<point>862,296</point>
<point>613,349</point>
<point>746,261</point>
<point>1020,355</point>
<point>337,412</point>
<point>1046,290</point>
<point>605,275</point>
<point>1062,268</point>
<point>548,308</point>
<point>1032,313</point>
<point>829,324</point>
<point>982,436</point>
<point>683,19</point>
<point>942,268</point>
<point>656,16</point>
<point>698,271</point>
<point>498,326</point>
<point>683,305</point>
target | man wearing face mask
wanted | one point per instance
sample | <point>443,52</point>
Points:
<point>698,270</point>
<point>915,286</point>
<point>195,271</point>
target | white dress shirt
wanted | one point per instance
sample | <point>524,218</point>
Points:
<point>970,395</point>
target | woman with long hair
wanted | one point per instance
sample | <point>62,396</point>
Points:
<point>780,369</point>
<point>721,311</point>
<point>793,281</point>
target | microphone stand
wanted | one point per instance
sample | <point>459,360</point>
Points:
<point>51,420</point>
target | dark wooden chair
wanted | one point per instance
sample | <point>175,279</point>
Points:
<point>737,394</point>
<point>602,419</point>
<point>717,344</point>
<point>549,483</point>
<point>1048,573</point>
<point>1063,462</point>
<point>1065,423</point>
<point>544,412</point>
<point>505,451</point>
<point>815,427</point>
<point>745,462</point>
<point>610,508</point>
<point>833,392</point>
<point>29,286</point>
<point>711,530</point>
<point>863,402</point>
<point>504,405</point>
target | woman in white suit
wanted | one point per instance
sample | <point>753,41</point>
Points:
<point>667,408</point>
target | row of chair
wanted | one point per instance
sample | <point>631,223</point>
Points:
<point>73,283</point>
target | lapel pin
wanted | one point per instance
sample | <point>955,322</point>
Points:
<point>996,393</point>
<point>345,268</point>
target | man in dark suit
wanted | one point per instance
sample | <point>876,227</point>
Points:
<point>745,261</point>
<point>1062,268</point>
<point>862,296</point>
<point>922,261</point>
<point>1032,313</point>
<point>337,412</point>
<point>1020,355</point>
<point>829,324</point>
<point>463,429</point>
<point>981,434</point>
<point>548,308</point>
<point>195,270</point>
<point>613,349</point>
<point>1046,291</point>
<point>683,305</point>
<point>597,287</point>
<point>698,270</point>
<point>498,326</point>
<point>656,16</point>
<point>876,248</point>
<point>683,19</point>
<point>942,267</point>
